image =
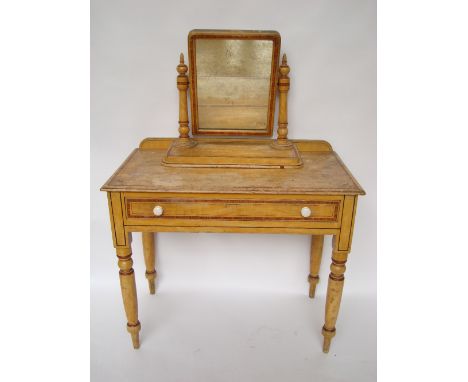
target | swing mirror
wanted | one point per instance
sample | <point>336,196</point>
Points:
<point>233,78</point>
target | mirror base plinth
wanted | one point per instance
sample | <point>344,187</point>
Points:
<point>234,153</point>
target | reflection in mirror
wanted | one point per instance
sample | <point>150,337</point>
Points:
<point>233,79</point>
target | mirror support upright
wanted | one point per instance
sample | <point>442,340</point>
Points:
<point>182,86</point>
<point>283,87</point>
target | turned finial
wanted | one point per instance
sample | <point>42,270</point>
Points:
<point>284,68</point>
<point>182,68</point>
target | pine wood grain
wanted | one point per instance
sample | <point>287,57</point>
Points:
<point>322,173</point>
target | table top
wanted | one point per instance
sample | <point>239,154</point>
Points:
<point>323,173</point>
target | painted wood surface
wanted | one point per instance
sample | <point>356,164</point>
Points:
<point>323,173</point>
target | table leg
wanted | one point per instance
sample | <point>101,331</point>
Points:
<point>315,260</point>
<point>122,243</point>
<point>129,294</point>
<point>334,293</point>
<point>150,257</point>
<point>341,249</point>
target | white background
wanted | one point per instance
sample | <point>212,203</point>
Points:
<point>422,122</point>
<point>233,307</point>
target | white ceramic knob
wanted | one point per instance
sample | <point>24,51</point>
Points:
<point>158,210</point>
<point>306,212</point>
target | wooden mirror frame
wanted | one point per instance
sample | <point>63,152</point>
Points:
<point>234,35</point>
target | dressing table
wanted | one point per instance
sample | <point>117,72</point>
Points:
<point>230,175</point>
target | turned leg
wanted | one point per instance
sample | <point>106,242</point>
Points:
<point>129,294</point>
<point>150,255</point>
<point>334,292</point>
<point>315,259</point>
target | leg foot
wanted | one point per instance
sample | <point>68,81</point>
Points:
<point>134,331</point>
<point>313,281</point>
<point>150,258</point>
<point>151,282</point>
<point>327,337</point>
<point>315,260</point>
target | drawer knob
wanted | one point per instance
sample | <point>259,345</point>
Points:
<point>158,210</point>
<point>306,212</point>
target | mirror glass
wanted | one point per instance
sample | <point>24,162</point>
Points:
<point>233,85</point>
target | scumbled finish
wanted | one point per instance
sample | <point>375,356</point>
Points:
<point>322,173</point>
<point>233,81</point>
<point>145,196</point>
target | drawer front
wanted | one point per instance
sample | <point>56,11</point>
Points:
<point>299,212</point>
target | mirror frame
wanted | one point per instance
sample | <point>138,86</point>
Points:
<point>233,35</point>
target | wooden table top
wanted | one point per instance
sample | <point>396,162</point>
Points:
<point>323,173</point>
